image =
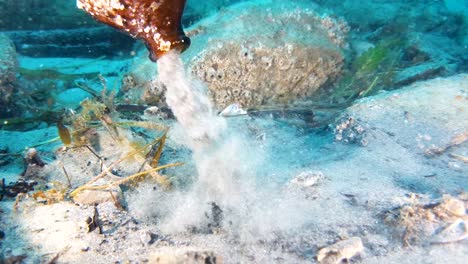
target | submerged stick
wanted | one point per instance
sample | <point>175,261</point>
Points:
<point>125,180</point>
<point>110,167</point>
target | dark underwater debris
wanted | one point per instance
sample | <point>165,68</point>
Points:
<point>6,157</point>
<point>65,172</point>
<point>131,108</point>
<point>48,116</point>
<point>90,42</point>
<point>93,222</point>
<point>14,259</point>
<point>15,188</point>
<point>216,217</point>
<point>33,164</point>
<point>33,158</point>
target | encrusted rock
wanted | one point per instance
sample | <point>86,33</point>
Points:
<point>341,251</point>
<point>451,207</point>
<point>349,131</point>
<point>296,53</point>
<point>436,222</point>
<point>184,256</point>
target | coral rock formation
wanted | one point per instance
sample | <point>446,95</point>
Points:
<point>268,53</point>
<point>158,23</point>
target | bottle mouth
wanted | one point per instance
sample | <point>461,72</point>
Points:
<point>183,44</point>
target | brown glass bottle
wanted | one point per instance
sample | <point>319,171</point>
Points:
<point>156,22</point>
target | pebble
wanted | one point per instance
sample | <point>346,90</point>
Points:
<point>340,251</point>
<point>145,237</point>
<point>308,178</point>
<point>454,206</point>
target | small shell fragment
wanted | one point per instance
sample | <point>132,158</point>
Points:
<point>340,251</point>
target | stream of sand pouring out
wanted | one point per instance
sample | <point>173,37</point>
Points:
<point>218,154</point>
<point>227,163</point>
<point>190,104</point>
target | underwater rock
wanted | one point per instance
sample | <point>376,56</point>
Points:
<point>429,55</point>
<point>34,165</point>
<point>436,222</point>
<point>184,256</point>
<point>146,237</point>
<point>32,158</point>
<point>341,251</point>
<point>419,73</point>
<point>8,69</point>
<point>253,57</point>
<point>257,53</point>
<point>308,179</point>
<point>349,131</point>
<point>425,117</point>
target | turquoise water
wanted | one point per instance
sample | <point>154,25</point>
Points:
<point>291,125</point>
